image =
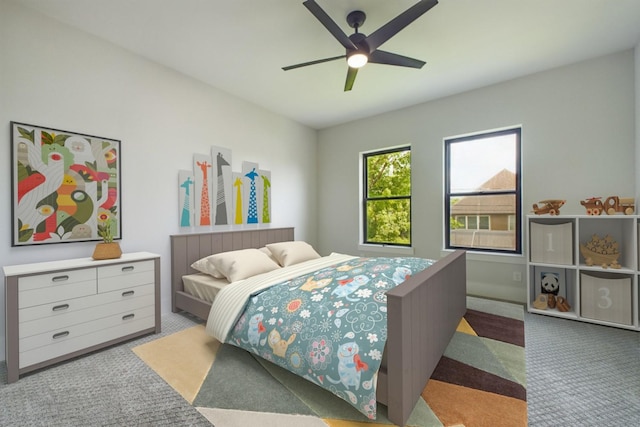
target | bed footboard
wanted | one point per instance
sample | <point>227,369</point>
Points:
<point>423,314</point>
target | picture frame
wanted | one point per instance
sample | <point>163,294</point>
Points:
<point>546,278</point>
<point>64,185</point>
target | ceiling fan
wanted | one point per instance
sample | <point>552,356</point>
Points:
<point>361,49</point>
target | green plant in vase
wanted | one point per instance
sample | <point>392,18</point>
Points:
<point>108,249</point>
<point>105,231</point>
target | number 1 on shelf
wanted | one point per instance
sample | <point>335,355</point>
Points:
<point>550,242</point>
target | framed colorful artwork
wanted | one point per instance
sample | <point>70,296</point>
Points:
<point>64,185</point>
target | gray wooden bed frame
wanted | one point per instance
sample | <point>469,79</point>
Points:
<point>422,313</point>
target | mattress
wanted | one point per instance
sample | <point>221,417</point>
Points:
<point>203,286</point>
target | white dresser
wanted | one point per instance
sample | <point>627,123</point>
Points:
<point>62,309</point>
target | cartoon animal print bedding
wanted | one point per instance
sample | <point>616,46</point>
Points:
<point>328,326</point>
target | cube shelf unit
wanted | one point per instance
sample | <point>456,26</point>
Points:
<point>607,296</point>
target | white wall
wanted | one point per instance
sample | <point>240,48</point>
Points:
<point>577,141</point>
<point>637,70</point>
<point>53,75</point>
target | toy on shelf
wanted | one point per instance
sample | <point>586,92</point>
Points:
<point>562,304</point>
<point>544,301</point>
<point>551,206</point>
<point>601,251</point>
<point>616,204</point>
<point>611,205</point>
<point>541,302</point>
<point>593,205</point>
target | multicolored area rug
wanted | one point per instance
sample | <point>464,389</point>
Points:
<point>480,380</point>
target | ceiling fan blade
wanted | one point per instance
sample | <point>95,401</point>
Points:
<point>329,24</point>
<point>391,28</point>
<point>388,58</point>
<point>317,61</point>
<point>351,77</point>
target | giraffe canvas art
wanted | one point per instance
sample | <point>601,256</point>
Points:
<point>265,205</point>
<point>222,186</point>
<point>202,168</point>
<point>185,187</point>
<point>250,179</point>
<point>230,198</point>
<point>238,209</point>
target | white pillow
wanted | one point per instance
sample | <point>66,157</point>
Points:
<point>243,263</point>
<point>290,253</point>
<point>204,265</point>
<point>268,252</point>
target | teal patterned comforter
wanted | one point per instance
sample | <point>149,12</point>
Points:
<point>329,326</point>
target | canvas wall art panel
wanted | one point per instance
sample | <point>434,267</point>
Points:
<point>202,171</point>
<point>265,202</point>
<point>64,185</point>
<point>251,191</point>
<point>222,187</point>
<point>238,198</point>
<point>185,194</point>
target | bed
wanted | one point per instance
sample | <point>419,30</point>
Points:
<point>423,312</point>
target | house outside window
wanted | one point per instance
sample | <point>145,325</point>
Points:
<point>386,184</point>
<point>483,192</point>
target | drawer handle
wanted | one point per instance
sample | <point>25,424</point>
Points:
<point>128,316</point>
<point>60,335</point>
<point>60,307</point>
<point>128,293</point>
<point>128,268</point>
<point>60,278</point>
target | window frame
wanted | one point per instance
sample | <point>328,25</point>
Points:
<point>365,199</point>
<point>517,192</point>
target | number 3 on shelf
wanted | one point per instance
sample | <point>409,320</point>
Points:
<point>605,300</point>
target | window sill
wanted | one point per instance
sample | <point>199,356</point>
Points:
<point>397,250</point>
<point>490,257</point>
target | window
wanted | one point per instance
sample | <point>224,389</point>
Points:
<point>474,222</point>
<point>483,192</point>
<point>387,197</point>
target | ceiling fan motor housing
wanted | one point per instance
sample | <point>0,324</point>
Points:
<point>360,40</point>
<point>356,18</point>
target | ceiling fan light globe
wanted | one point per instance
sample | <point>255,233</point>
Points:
<point>357,60</point>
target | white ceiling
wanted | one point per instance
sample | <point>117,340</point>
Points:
<point>240,46</point>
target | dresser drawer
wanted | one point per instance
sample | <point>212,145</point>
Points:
<point>48,280</point>
<point>83,310</point>
<point>122,276</point>
<point>78,338</point>
<point>60,308</point>
<point>55,294</point>
<point>92,327</point>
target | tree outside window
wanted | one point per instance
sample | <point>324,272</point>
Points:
<point>387,197</point>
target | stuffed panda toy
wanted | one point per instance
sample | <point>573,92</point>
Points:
<point>550,283</point>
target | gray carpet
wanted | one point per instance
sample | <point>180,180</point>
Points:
<point>112,387</point>
<point>578,374</point>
